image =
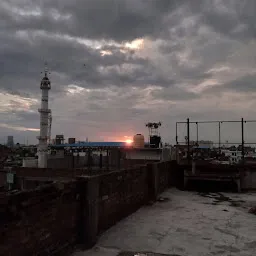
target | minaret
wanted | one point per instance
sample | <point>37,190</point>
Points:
<point>44,116</point>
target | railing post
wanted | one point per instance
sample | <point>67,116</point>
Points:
<point>176,133</point>
<point>197,133</point>
<point>219,139</point>
<point>242,126</point>
<point>188,141</point>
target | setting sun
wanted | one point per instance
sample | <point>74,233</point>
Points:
<point>128,141</point>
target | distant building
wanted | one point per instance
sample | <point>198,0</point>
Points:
<point>247,149</point>
<point>10,142</point>
<point>59,139</point>
<point>71,140</point>
<point>205,143</point>
<point>202,143</point>
<point>233,156</point>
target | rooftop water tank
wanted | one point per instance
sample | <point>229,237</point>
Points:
<point>138,141</point>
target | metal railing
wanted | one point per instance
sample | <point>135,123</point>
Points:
<point>219,122</point>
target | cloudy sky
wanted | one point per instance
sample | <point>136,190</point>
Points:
<point>117,64</point>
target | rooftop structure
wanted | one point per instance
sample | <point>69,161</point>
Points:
<point>154,135</point>
<point>93,144</point>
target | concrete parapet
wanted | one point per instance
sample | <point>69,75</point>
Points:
<point>159,178</point>
<point>248,180</point>
<point>88,188</point>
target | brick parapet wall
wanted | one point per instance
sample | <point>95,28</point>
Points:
<point>38,222</point>
<point>121,193</point>
<point>30,178</point>
<point>51,217</point>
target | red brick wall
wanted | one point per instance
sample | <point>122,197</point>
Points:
<point>39,221</point>
<point>121,193</point>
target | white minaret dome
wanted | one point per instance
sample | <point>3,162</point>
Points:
<point>44,111</point>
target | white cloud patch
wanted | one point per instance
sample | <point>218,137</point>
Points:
<point>19,128</point>
<point>16,103</point>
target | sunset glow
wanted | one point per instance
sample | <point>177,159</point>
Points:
<point>128,141</point>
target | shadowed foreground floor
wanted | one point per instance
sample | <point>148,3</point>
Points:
<point>186,224</point>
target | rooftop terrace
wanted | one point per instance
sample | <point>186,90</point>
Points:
<point>184,224</point>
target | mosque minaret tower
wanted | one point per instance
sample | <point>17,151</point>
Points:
<point>44,111</point>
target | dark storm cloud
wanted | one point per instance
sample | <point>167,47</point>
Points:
<point>108,19</point>
<point>194,74</point>
<point>22,54</point>
<point>142,75</point>
<point>174,94</point>
<point>21,94</point>
<point>29,116</point>
<point>235,19</point>
<point>186,41</point>
<point>245,84</point>
<point>68,58</point>
<point>22,63</point>
<point>20,118</point>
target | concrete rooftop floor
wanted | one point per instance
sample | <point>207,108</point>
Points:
<point>185,224</point>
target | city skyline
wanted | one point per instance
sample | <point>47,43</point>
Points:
<point>116,65</point>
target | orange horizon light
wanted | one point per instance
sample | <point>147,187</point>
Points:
<point>128,141</point>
